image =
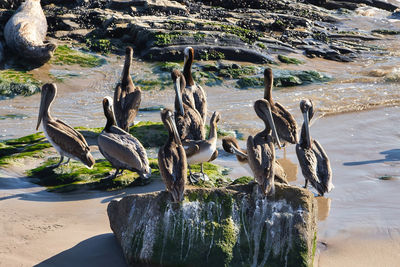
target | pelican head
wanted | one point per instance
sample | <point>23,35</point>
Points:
<point>263,111</point>
<point>129,51</point>
<point>268,83</point>
<point>188,53</point>
<point>215,118</point>
<point>167,118</point>
<point>229,142</point>
<point>49,92</point>
<point>179,84</point>
<point>307,108</point>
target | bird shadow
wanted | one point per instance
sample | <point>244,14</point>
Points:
<point>390,155</point>
<point>100,250</point>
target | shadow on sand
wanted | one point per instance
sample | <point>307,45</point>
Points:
<point>390,155</point>
<point>101,250</point>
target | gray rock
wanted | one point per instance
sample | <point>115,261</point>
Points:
<point>217,227</point>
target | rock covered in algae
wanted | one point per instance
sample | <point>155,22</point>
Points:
<point>231,226</point>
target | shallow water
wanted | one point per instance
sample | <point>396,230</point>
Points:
<point>362,146</point>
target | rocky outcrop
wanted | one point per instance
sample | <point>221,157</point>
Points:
<point>25,33</point>
<point>231,226</point>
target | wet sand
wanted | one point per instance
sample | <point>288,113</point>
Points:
<point>359,220</point>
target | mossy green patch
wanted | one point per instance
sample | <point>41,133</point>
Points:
<point>217,174</point>
<point>284,78</point>
<point>150,134</point>
<point>99,45</point>
<point>211,55</point>
<point>289,60</point>
<point>64,55</point>
<point>167,66</point>
<point>153,84</point>
<point>386,32</point>
<point>238,72</point>
<point>13,83</point>
<point>243,180</point>
<point>164,38</point>
<point>27,146</point>
<point>75,175</point>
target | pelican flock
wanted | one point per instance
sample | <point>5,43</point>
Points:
<point>186,144</point>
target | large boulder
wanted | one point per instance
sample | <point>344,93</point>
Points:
<point>232,226</point>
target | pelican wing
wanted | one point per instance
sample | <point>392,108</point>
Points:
<point>308,163</point>
<point>280,174</point>
<point>214,156</point>
<point>72,132</point>
<point>259,156</point>
<point>131,104</point>
<point>324,170</point>
<point>191,147</point>
<point>117,99</point>
<point>67,139</point>
<point>285,123</point>
<point>125,149</point>
<point>200,100</point>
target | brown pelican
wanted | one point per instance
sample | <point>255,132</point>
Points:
<point>188,120</point>
<point>127,96</point>
<point>261,150</point>
<point>199,96</point>
<point>231,145</point>
<point>285,123</point>
<point>172,159</point>
<point>313,160</point>
<point>199,151</point>
<point>66,140</point>
<point>121,149</point>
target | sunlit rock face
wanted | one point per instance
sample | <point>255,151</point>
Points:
<point>232,226</point>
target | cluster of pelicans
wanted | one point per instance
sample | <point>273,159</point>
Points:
<point>186,142</point>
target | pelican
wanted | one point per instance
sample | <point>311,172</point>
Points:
<point>261,150</point>
<point>199,151</point>
<point>285,123</point>
<point>199,96</point>
<point>231,145</point>
<point>127,96</point>
<point>172,159</point>
<point>188,120</point>
<point>66,140</point>
<point>121,149</point>
<point>313,160</point>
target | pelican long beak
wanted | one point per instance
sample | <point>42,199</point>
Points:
<point>42,109</point>
<point>237,152</point>
<point>307,126</point>
<point>174,130</point>
<point>179,95</point>
<point>272,125</point>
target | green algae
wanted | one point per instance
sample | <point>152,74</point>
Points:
<point>151,84</point>
<point>14,82</point>
<point>243,180</point>
<point>238,72</point>
<point>64,55</point>
<point>167,66</point>
<point>386,32</point>
<point>75,176</point>
<point>13,150</point>
<point>164,38</point>
<point>285,78</point>
<point>217,174</point>
<point>289,60</point>
<point>99,45</point>
<point>150,134</point>
<point>211,55</point>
